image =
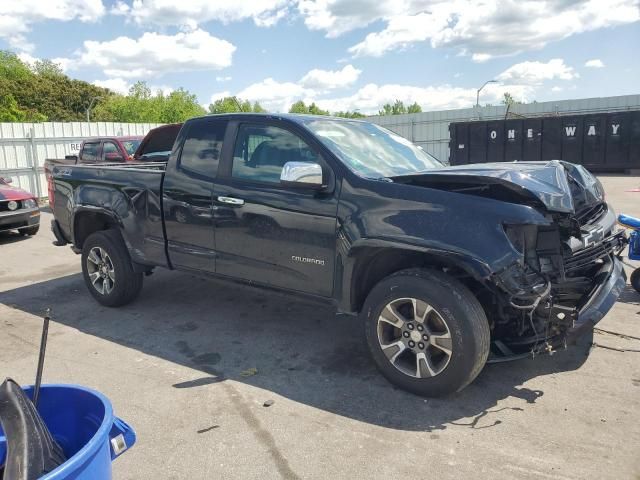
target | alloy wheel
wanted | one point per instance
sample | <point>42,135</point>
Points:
<point>101,271</point>
<point>414,337</point>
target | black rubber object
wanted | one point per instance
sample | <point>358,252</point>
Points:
<point>635,280</point>
<point>461,311</point>
<point>128,283</point>
<point>31,450</point>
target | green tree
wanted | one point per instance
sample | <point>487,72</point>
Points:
<point>414,108</point>
<point>398,108</point>
<point>234,104</point>
<point>257,108</point>
<point>178,106</point>
<point>312,109</point>
<point>141,105</point>
<point>9,110</point>
<point>43,92</point>
<point>509,100</point>
<point>299,107</point>
<point>315,110</point>
<point>348,114</point>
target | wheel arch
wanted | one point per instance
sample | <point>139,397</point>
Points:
<point>375,263</point>
<point>90,220</point>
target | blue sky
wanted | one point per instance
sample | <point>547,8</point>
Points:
<point>342,54</point>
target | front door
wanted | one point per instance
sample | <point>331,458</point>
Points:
<point>266,232</point>
<point>187,196</point>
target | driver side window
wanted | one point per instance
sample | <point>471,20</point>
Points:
<point>260,153</point>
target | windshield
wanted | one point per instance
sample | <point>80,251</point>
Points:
<point>131,146</point>
<point>370,150</point>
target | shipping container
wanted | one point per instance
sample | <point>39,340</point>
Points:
<point>600,142</point>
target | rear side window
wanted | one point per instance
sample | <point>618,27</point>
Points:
<point>89,152</point>
<point>202,147</point>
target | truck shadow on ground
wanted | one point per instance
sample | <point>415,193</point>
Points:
<point>12,237</point>
<point>299,350</point>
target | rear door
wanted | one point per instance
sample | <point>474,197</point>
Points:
<point>266,232</point>
<point>187,194</point>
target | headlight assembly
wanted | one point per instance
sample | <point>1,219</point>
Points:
<point>30,203</point>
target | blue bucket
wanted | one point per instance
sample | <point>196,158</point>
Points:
<point>81,420</point>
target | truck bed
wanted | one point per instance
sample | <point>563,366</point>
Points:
<point>129,191</point>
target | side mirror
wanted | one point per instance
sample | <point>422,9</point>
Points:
<point>302,174</point>
<point>113,157</point>
<point>6,179</point>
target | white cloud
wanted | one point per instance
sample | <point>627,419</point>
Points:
<point>336,17</point>
<point>122,86</point>
<point>522,80</point>
<point>18,16</point>
<point>223,79</point>
<point>191,13</point>
<point>278,96</point>
<point>371,97</point>
<point>330,79</point>
<point>156,54</point>
<point>275,96</point>
<point>118,85</point>
<point>218,96</point>
<point>534,73</point>
<point>483,29</point>
<point>595,63</point>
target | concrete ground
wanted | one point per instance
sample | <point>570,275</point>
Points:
<point>191,363</point>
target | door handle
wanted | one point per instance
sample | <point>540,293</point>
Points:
<point>231,200</point>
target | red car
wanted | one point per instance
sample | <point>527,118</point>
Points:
<point>18,209</point>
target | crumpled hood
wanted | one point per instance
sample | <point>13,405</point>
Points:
<point>7,192</point>
<point>559,186</point>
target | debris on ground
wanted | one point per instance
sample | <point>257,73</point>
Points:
<point>208,429</point>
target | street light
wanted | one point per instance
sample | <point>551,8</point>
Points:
<point>480,89</point>
<point>93,100</point>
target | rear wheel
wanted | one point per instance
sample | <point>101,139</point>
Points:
<point>107,269</point>
<point>635,280</point>
<point>31,231</point>
<point>426,331</point>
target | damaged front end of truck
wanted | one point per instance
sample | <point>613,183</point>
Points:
<point>566,275</point>
<point>563,284</point>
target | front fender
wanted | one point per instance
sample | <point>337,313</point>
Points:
<point>462,230</point>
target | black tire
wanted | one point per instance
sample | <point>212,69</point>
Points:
<point>635,279</point>
<point>127,283</point>
<point>454,305</point>
<point>31,231</point>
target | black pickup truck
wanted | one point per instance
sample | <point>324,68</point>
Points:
<point>446,266</point>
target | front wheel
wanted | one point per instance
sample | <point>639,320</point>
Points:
<point>426,331</point>
<point>635,280</point>
<point>107,269</point>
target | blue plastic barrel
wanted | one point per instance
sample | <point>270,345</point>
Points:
<point>82,421</point>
